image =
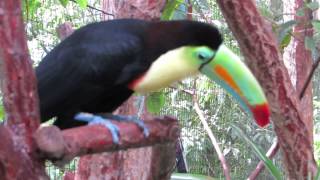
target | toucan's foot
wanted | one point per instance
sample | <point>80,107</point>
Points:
<point>133,119</point>
<point>94,119</point>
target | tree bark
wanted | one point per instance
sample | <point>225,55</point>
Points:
<point>303,61</point>
<point>137,9</point>
<point>17,150</point>
<point>65,145</point>
<point>260,49</point>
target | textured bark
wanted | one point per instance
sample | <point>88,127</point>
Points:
<point>260,49</point>
<point>68,176</point>
<point>138,9</point>
<point>115,166</point>
<point>303,61</point>
<point>67,144</point>
<point>17,151</point>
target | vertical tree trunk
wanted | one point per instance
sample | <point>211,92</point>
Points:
<point>260,49</point>
<point>303,61</point>
<point>17,150</point>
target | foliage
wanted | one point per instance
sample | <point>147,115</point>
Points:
<point>181,176</point>
<point>58,173</point>
<point>1,113</point>
<point>262,155</point>
<point>155,102</point>
<point>170,9</point>
<point>43,17</point>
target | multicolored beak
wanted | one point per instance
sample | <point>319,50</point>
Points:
<point>231,73</point>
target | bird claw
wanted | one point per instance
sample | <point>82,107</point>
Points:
<point>133,119</point>
<point>141,125</point>
<point>94,119</point>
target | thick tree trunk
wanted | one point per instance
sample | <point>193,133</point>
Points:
<point>260,49</point>
<point>17,150</point>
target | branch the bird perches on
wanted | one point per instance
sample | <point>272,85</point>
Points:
<point>63,146</point>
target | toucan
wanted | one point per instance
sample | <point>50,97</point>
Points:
<point>100,65</point>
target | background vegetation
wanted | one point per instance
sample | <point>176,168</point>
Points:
<point>43,17</point>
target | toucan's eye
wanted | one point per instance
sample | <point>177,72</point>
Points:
<point>202,57</point>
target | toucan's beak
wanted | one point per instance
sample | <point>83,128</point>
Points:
<point>231,73</point>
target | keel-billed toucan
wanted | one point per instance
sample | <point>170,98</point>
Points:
<point>100,65</point>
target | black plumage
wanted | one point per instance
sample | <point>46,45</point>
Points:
<point>90,70</point>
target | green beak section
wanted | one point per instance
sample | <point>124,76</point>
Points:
<point>233,75</point>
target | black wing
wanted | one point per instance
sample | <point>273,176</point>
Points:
<point>89,71</point>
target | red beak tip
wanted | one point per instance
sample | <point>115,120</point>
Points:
<point>263,122</point>
<point>261,114</point>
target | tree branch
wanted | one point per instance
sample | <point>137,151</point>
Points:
<point>306,84</point>
<point>94,8</point>
<point>62,146</point>
<point>214,141</point>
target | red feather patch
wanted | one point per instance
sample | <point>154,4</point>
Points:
<point>135,82</point>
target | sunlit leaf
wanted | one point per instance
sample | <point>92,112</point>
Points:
<point>284,35</point>
<point>268,163</point>
<point>82,3</point>
<point>285,41</point>
<point>316,103</point>
<point>1,113</point>
<point>33,6</point>
<point>155,102</point>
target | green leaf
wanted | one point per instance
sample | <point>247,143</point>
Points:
<point>284,35</point>
<point>318,174</point>
<point>82,3</point>
<point>309,43</point>
<point>155,102</point>
<point>316,103</point>
<point>64,3</point>
<point>300,12</point>
<point>316,25</point>
<point>268,163</point>
<point>2,113</point>
<point>170,8</point>
<point>33,5</point>
<point>187,176</point>
<point>285,41</point>
<point>313,5</point>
